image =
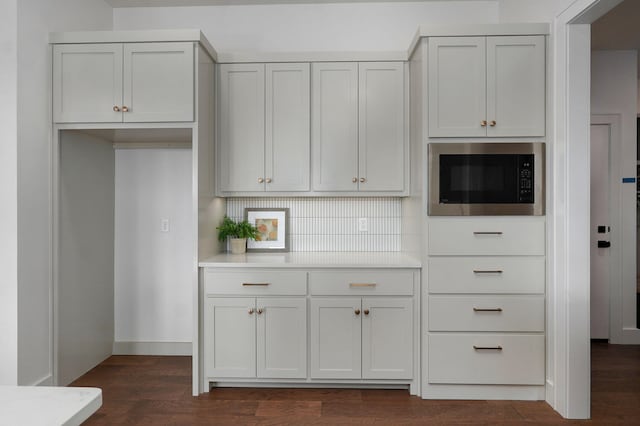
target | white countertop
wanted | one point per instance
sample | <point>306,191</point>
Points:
<point>44,405</point>
<point>313,260</point>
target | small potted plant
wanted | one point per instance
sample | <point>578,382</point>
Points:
<point>237,233</point>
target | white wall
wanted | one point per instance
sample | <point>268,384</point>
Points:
<point>8,194</point>
<point>614,79</point>
<point>310,27</point>
<point>36,18</point>
<point>153,292</point>
<point>531,11</point>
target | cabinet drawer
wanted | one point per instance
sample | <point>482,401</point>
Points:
<point>255,282</point>
<point>486,313</point>
<point>520,275</point>
<point>487,236</point>
<point>482,358</point>
<point>367,282</point>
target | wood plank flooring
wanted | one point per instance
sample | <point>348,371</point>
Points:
<point>144,390</point>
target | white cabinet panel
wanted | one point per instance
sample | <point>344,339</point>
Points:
<point>282,338</point>
<point>255,283</point>
<point>486,313</point>
<point>158,82</point>
<point>387,338</point>
<point>335,126</point>
<point>361,283</point>
<point>486,236</point>
<point>241,127</point>
<point>287,138</point>
<point>87,83</point>
<point>483,358</point>
<point>381,126</point>
<point>516,86</point>
<point>230,351</point>
<point>335,338</point>
<point>457,86</point>
<point>487,274</point>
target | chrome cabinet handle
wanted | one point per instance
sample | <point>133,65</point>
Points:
<point>363,180</point>
<point>487,271</point>
<point>255,284</point>
<point>116,108</point>
<point>487,232</point>
<point>268,180</point>
<point>354,180</point>
<point>363,284</point>
<point>487,348</point>
<point>487,309</point>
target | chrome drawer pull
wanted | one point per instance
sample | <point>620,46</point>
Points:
<point>363,284</point>
<point>487,232</point>
<point>255,284</point>
<point>487,271</point>
<point>487,309</point>
<point>487,348</point>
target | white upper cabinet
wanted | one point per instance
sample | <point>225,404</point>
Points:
<point>264,127</point>
<point>486,86</point>
<point>358,122</point>
<point>130,82</point>
<point>335,126</point>
<point>381,126</point>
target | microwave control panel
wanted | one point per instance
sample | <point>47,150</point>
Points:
<point>526,181</point>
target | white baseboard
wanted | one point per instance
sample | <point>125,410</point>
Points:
<point>45,381</point>
<point>152,348</point>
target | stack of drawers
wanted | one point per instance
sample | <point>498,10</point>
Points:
<point>486,303</point>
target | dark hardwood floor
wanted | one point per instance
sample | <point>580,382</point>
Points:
<point>141,390</point>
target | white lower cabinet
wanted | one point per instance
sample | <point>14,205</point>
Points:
<point>255,337</point>
<point>369,338</point>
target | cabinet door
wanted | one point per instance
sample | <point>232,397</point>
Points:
<point>241,127</point>
<point>382,126</point>
<point>282,338</point>
<point>287,137</point>
<point>230,337</point>
<point>335,338</point>
<point>387,338</point>
<point>516,86</point>
<point>335,126</point>
<point>158,82</point>
<point>457,86</point>
<point>87,83</point>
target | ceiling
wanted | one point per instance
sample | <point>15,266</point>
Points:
<point>618,29</point>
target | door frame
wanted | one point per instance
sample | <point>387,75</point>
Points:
<point>616,259</point>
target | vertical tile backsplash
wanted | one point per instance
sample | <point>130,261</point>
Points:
<point>331,224</point>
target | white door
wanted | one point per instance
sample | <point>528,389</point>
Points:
<point>457,86</point>
<point>335,338</point>
<point>381,126</point>
<point>282,338</point>
<point>335,126</point>
<point>241,137</point>
<point>158,82</point>
<point>516,86</point>
<point>230,337</point>
<point>87,83</point>
<point>288,135</point>
<point>387,338</point>
<point>600,217</point>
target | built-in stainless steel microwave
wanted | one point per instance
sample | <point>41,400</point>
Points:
<point>485,179</point>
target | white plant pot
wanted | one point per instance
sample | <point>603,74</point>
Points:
<point>238,245</point>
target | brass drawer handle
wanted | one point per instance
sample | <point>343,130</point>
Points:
<point>487,348</point>
<point>255,284</point>
<point>363,284</point>
<point>487,232</point>
<point>492,123</point>
<point>487,271</point>
<point>487,309</point>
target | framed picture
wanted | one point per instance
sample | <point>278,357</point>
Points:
<point>273,229</point>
